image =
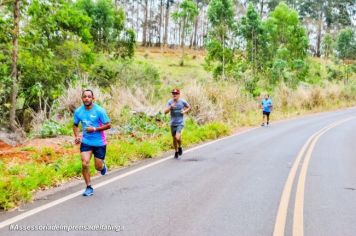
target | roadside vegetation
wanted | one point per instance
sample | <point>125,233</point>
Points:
<point>76,48</point>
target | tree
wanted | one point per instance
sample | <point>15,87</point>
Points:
<point>107,25</point>
<point>145,23</point>
<point>252,31</point>
<point>327,46</point>
<point>261,4</point>
<point>221,18</point>
<point>185,15</point>
<point>287,44</point>
<point>14,71</point>
<point>56,48</point>
<point>332,13</point>
<point>346,48</point>
<point>166,24</point>
<point>286,34</point>
<point>15,34</point>
<point>6,27</point>
<point>346,44</point>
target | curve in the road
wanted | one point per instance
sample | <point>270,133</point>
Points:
<point>298,217</point>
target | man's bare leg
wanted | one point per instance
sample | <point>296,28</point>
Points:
<point>178,138</point>
<point>99,164</point>
<point>85,166</point>
<point>175,143</point>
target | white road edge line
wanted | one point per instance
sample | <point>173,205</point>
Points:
<point>106,182</point>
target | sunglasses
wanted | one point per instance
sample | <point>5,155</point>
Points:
<point>175,93</point>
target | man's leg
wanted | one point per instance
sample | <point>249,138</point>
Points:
<point>99,154</point>
<point>268,118</point>
<point>99,164</point>
<point>173,132</point>
<point>179,139</point>
<point>175,143</point>
<point>85,166</point>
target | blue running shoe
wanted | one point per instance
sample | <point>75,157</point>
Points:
<point>104,170</point>
<point>88,191</point>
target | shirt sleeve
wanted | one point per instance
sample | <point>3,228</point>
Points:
<point>76,119</point>
<point>169,103</point>
<point>104,118</point>
<point>185,103</point>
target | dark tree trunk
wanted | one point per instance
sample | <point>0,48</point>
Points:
<point>150,29</point>
<point>14,73</point>
<point>318,41</point>
<point>145,23</point>
<point>182,41</point>
<point>160,23</point>
<point>165,38</point>
<point>261,10</point>
<point>195,32</point>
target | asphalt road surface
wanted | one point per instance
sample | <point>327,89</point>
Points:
<point>296,177</point>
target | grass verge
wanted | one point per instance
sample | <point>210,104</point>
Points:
<point>46,168</point>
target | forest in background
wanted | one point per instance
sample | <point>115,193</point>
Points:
<point>48,47</point>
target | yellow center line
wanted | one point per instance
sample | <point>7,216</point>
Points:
<point>298,217</point>
<point>281,218</point>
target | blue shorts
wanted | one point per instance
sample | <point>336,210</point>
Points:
<point>99,152</point>
<point>176,129</point>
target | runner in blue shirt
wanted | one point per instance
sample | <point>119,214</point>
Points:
<point>177,107</point>
<point>267,107</point>
<point>93,141</point>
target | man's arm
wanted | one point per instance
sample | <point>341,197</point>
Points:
<point>76,134</point>
<point>169,107</point>
<point>187,109</point>
<point>98,129</point>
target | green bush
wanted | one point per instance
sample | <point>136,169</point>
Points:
<point>50,129</point>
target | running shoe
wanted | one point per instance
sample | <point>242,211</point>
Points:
<point>180,151</point>
<point>88,191</point>
<point>104,170</point>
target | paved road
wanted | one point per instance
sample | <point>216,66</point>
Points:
<point>231,187</point>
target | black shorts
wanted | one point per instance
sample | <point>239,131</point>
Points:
<point>176,129</point>
<point>99,152</point>
<point>266,113</point>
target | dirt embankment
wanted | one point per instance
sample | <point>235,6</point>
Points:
<point>22,153</point>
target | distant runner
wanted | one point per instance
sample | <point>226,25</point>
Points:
<point>93,142</point>
<point>177,107</point>
<point>267,107</point>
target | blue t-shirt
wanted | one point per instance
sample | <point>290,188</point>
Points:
<point>177,118</point>
<point>267,104</point>
<point>95,117</point>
